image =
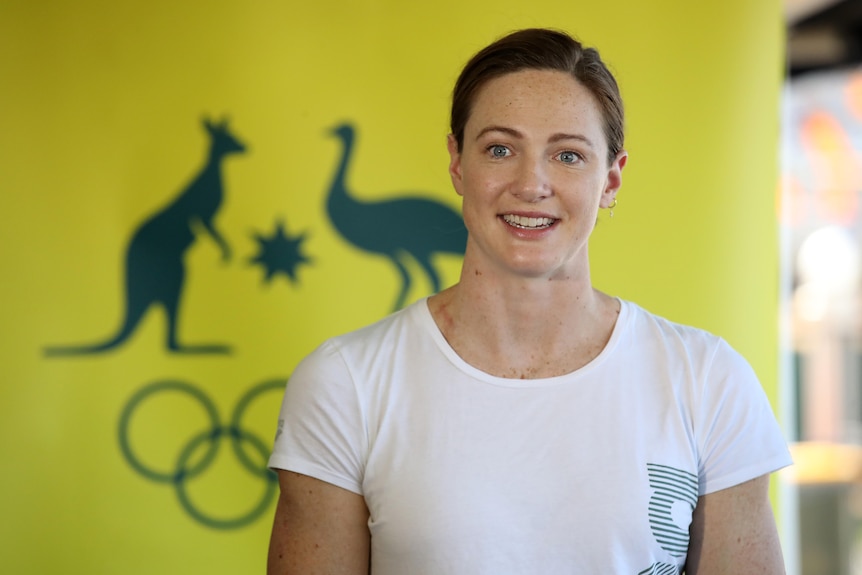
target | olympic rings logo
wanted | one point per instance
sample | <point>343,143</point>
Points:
<point>187,466</point>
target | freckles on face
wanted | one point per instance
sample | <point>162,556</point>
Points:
<point>541,104</point>
<point>532,170</point>
<point>536,131</point>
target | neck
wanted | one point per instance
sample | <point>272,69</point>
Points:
<point>526,309</point>
<point>524,327</point>
<point>566,292</point>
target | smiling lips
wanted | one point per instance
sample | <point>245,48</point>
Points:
<point>527,223</point>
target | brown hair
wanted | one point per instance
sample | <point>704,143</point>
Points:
<point>540,49</point>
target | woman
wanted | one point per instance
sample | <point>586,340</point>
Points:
<point>522,421</point>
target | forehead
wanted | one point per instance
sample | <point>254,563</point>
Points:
<point>536,97</point>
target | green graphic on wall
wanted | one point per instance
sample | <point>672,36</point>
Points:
<point>200,451</point>
<point>280,253</point>
<point>402,228</point>
<point>155,268</point>
<point>405,226</point>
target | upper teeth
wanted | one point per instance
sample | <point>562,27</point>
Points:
<point>525,222</point>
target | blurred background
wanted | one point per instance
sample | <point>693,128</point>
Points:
<point>821,236</point>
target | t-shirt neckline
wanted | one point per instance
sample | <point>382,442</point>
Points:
<point>425,319</point>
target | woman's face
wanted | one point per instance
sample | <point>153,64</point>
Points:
<point>533,172</point>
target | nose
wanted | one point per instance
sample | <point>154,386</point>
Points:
<point>532,183</point>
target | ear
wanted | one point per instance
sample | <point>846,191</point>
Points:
<point>614,179</point>
<point>454,163</point>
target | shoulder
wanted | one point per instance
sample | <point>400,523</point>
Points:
<point>704,358</point>
<point>646,327</point>
<point>360,349</point>
<point>382,335</point>
<point>392,326</point>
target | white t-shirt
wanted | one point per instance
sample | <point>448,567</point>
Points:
<point>596,471</point>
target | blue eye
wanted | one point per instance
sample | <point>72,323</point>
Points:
<point>499,151</point>
<point>568,157</point>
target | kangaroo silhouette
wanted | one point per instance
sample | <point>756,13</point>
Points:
<point>155,270</point>
<point>394,228</point>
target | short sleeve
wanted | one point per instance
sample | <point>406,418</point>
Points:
<point>738,437</point>
<point>321,432</point>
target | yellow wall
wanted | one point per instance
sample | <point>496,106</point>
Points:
<point>102,105</point>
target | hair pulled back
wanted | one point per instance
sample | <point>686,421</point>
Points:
<point>540,49</point>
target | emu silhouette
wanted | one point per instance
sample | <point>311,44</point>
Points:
<point>394,228</point>
<point>155,270</point>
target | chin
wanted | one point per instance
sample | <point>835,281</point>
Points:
<point>536,270</point>
<point>543,265</point>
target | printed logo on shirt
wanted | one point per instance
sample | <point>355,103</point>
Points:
<point>670,507</point>
<point>661,569</point>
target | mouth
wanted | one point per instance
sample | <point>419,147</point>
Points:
<point>528,223</point>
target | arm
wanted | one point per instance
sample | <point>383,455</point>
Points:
<point>319,529</point>
<point>733,531</point>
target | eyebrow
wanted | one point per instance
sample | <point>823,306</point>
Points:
<point>558,137</point>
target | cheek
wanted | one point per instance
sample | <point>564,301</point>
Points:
<point>476,208</point>
<point>468,207</point>
<point>481,183</point>
<point>467,188</point>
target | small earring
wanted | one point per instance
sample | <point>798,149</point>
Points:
<point>611,207</point>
